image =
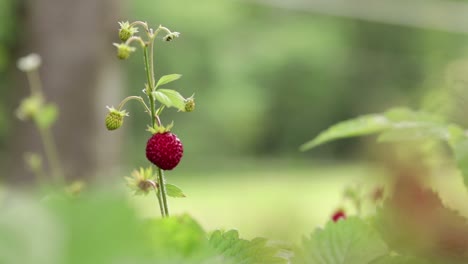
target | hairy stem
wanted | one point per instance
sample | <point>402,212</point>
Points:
<point>138,98</point>
<point>141,23</point>
<point>151,63</point>
<point>149,88</point>
<point>158,195</point>
<point>162,190</point>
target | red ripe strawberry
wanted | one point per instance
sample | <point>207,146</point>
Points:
<point>164,150</point>
<point>340,214</point>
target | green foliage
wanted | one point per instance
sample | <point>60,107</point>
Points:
<point>236,250</point>
<point>346,241</point>
<point>167,79</point>
<point>401,124</point>
<point>102,228</point>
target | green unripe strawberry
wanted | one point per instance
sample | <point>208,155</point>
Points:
<point>115,118</point>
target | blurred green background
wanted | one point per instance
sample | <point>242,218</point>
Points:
<point>266,79</point>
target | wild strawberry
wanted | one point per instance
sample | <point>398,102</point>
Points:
<point>339,214</point>
<point>164,150</point>
<point>115,118</point>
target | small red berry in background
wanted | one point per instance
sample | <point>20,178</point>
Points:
<point>164,150</point>
<point>339,214</point>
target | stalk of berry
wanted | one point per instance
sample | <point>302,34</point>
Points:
<point>163,148</point>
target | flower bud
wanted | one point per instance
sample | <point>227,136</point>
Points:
<point>124,50</point>
<point>115,118</point>
<point>126,31</point>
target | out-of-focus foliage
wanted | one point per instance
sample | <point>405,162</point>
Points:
<point>401,124</point>
<point>347,241</point>
<point>102,228</point>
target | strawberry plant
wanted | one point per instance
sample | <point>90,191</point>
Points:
<point>164,149</point>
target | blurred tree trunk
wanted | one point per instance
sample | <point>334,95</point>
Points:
<point>79,69</point>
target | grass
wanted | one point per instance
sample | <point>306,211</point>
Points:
<point>268,199</point>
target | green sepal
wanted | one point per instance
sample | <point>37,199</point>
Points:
<point>160,129</point>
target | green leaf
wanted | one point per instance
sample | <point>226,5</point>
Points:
<point>47,116</point>
<point>236,250</point>
<point>364,125</point>
<point>174,191</point>
<point>403,114</point>
<point>414,131</point>
<point>167,79</point>
<point>346,241</point>
<point>176,99</point>
<point>162,98</point>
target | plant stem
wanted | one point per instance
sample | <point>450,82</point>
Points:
<point>138,98</point>
<point>149,89</point>
<point>162,190</point>
<point>151,63</point>
<point>50,148</point>
<point>158,195</point>
<point>161,194</point>
<point>35,83</point>
<point>51,154</point>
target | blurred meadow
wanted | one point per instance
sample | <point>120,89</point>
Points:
<point>267,76</point>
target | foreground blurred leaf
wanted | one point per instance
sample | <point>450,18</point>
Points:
<point>403,114</point>
<point>99,228</point>
<point>346,241</point>
<point>364,125</point>
<point>236,250</point>
<point>402,124</point>
<point>178,240</point>
<point>29,233</point>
